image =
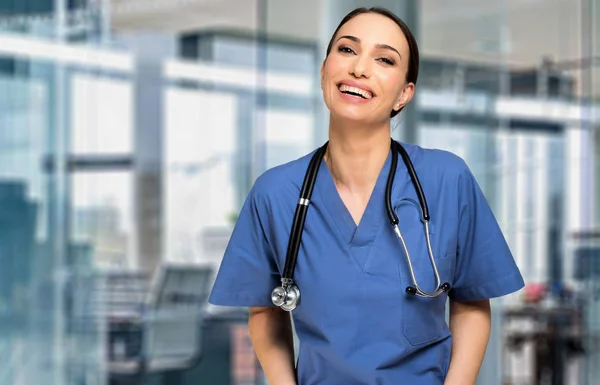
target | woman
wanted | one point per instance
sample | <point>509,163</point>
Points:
<point>360,318</point>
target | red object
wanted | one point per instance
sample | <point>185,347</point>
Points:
<point>535,292</point>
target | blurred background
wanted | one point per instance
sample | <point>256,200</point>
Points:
<point>132,130</point>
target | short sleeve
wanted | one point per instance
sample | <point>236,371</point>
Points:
<point>248,272</point>
<point>485,266</point>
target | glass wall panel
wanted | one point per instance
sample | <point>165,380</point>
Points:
<point>101,115</point>
<point>199,160</point>
<point>38,336</point>
<point>49,334</point>
<point>534,164</point>
<point>24,207</point>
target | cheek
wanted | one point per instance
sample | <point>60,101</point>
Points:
<point>327,76</point>
<point>327,84</point>
<point>333,64</point>
<point>393,86</point>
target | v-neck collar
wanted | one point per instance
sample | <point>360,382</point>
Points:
<point>373,217</point>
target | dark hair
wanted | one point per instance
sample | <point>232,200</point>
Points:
<point>413,64</point>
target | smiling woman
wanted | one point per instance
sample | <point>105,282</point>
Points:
<point>406,62</point>
<point>368,299</point>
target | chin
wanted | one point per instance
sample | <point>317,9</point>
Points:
<point>352,115</point>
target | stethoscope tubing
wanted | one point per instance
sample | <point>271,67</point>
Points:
<point>300,215</point>
<point>308,184</point>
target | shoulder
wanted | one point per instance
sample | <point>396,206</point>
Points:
<point>436,163</point>
<point>281,182</point>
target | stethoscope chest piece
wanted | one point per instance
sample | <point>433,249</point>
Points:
<point>286,296</point>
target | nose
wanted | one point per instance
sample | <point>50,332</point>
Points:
<point>361,67</point>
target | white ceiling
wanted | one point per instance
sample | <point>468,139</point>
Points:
<point>286,17</point>
<point>516,32</point>
<point>521,31</point>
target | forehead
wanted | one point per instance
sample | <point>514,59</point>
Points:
<point>373,28</point>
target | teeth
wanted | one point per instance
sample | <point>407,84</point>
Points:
<point>354,90</point>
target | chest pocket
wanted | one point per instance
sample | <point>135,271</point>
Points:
<point>423,319</point>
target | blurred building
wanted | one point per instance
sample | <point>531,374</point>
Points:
<point>135,128</point>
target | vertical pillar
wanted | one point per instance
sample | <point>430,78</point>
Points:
<point>595,151</point>
<point>58,228</point>
<point>105,22</point>
<point>150,51</point>
<point>595,89</point>
<point>590,25</point>
<point>404,126</point>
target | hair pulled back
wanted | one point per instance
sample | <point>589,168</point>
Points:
<point>413,65</point>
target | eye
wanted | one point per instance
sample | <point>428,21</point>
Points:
<point>344,49</point>
<point>387,61</point>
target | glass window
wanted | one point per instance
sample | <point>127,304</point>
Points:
<point>199,161</point>
<point>102,112</point>
<point>102,219</point>
<point>28,281</point>
<point>288,135</point>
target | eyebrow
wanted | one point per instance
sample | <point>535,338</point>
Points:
<point>381,46</point>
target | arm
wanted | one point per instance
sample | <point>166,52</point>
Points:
<point>470,324</point>
<point>271,334</point>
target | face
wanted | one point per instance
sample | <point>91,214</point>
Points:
<point>364,76</point>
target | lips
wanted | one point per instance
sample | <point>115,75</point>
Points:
<point>355,90</point>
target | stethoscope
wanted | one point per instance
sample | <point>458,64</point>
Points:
<point>287,296</point>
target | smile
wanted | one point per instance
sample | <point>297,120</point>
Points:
<point>355,91</point>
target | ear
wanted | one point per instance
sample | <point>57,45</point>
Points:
<point>322,70</point>
<point>405,96</point>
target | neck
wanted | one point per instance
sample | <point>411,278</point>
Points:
<point>355,156</point>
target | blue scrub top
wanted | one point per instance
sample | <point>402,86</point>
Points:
<point>355,322</point>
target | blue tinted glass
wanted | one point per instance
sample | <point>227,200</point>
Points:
<point>276,58</point>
